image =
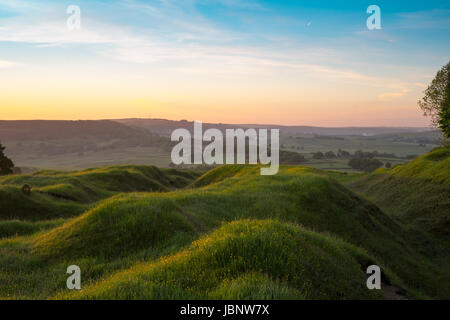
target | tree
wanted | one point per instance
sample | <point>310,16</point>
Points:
<point>6,165</point>
<point>289,157</point>
<point>318,155</point>
<point>359,154</point>
<point>435,102</point>
<point>343,154</point>
<point>444,113</point>
<point>330,155</point>
<point>365,164</point>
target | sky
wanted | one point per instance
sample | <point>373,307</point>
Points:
<point>302,62</point>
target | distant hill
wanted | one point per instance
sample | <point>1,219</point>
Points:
<point>165,127</point>
<point>133,128</point>
<point>78,144</point>
<point>60,129</point>
<point>73,145</point>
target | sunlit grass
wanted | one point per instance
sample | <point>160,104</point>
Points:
<point>233,234</point>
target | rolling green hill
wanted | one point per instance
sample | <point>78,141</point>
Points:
<point>63,194</point>
<point>416,193</point>
<point>143,232</point>
<point>243,254</point>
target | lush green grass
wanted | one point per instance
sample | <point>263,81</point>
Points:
<point>296,194</point>
<point>417,193</point>
<point>38,206</point>
<point>14,228</point>
<point>118,226</point>
<point>63,194</point>
<point>254,286</point>
<point>298,234</point>
<point>290,263</point>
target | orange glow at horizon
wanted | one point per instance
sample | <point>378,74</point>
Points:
<point>295,100</point>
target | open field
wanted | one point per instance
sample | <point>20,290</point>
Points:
<point>401,145</point>
<point>76,145</point>
<point>74,161</point>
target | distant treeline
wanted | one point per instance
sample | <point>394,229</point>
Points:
<point>81,146</point>
<point>360,160</point>
<point>421,138</point>
<point>365,164</point>
<point>285,156</point>
<point>359,154</point>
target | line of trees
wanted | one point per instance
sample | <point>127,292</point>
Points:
<point>359,160</point>
<point>342,154</point>
<point>365,164</point>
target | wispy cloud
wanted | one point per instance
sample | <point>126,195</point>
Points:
<point>17,4</point>
<point>8,64</point>
<point>430,19</point>
<point>179,35</point>
<point>385,96</point>
<point>188,40</point>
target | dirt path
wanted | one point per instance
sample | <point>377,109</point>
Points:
<point>392,292</point>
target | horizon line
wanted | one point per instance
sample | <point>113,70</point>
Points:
<point>234,124</point>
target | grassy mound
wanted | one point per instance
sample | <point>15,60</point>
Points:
<point>298,234</point>
<point>62,194</point>
<point>254,286</point>
<point>38,206</point>
<point>118,226</point>
<point>14,228</point>
<point>291,263</point>
<point>139,221</point>
<point>222,173</point>
<point>416,193</point>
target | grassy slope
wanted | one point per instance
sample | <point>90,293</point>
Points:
<point>109,240</point>
<point>63,194</point>
<point>417,193</point>
<point>276,260</point>
<point>129,223</point>
<point>14,228</point>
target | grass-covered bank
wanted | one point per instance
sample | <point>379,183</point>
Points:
<point>57,194</point>
<point>145,244</point>
<point>279,261</point>
<point>417,193</point>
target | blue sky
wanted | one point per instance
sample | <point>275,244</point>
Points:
<point>289,62</point>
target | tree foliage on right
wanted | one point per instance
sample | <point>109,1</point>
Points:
<point>436,101</point>
<point>444,113</point>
